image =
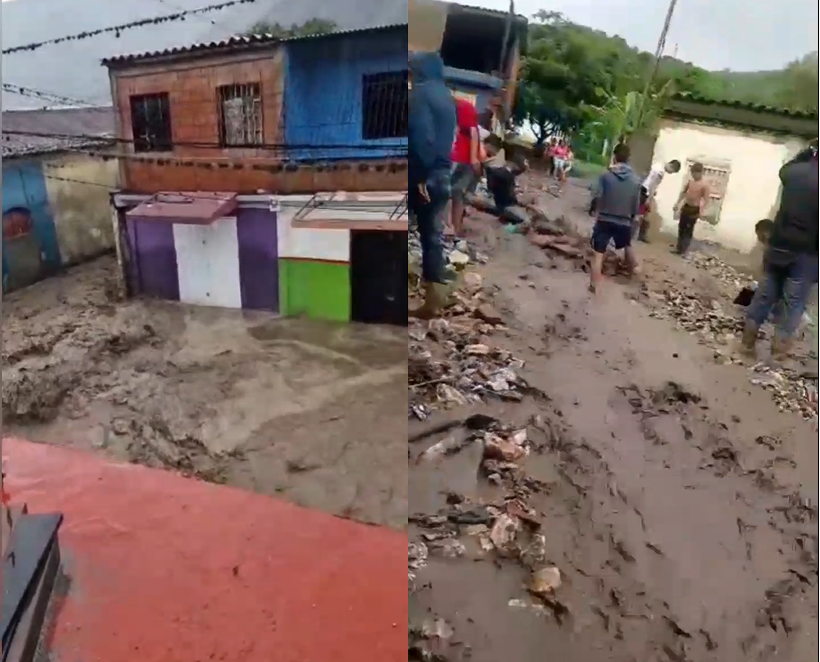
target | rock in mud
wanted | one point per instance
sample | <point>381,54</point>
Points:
<point>504,535</point>
<point>487,313</point>
<point>504,450</point>
<point>545,582</point>
<point>447,446</point>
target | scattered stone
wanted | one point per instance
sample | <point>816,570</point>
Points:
<point>488,314</point>
<point>544,582</point>
<point>504,450</point>
<point>503,535</point>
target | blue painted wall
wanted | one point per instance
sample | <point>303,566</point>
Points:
<point>24,186</point>
<point>323,92</point>
<point>483,86</point>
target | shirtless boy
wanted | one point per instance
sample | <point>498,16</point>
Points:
<point>690,207</point>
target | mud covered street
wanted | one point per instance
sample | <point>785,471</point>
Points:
<point>629,493</point>
<point>305,411</point>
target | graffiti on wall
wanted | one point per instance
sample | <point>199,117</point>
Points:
<point>16,223</point>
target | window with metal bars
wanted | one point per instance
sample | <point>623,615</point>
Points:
<point>384,105</point>
<point>240,115</point>
<point>717,176</point>
<point>151,122</point>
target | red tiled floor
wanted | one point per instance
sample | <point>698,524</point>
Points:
<point>165,569</point>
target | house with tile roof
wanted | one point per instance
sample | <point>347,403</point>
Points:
<point>742,147</point>
<point>55,200</point>
<point>72,68</point>
<point>267,174</point>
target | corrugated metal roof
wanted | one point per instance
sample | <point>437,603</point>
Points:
<point>239,42</point>
<point>91,126</point>
<point>742,105</point>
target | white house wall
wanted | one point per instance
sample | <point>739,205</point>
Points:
<point>753,187</point>
<point>310,244</point>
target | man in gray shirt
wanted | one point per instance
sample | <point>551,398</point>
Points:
<point>618,196</point>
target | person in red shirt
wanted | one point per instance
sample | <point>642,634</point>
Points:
<point>466,160</point>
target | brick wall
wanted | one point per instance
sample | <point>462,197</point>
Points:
<point>191,86</point>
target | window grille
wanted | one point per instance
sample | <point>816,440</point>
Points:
<point>151,122</point>
<point>240,115</point>
<point>384,105</point>
<point>718,179</point>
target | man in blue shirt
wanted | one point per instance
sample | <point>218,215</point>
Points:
<point>431,130</point>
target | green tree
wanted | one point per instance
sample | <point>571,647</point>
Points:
<point>798,87</point>
<point>562,73</point>
<point>314,26</point>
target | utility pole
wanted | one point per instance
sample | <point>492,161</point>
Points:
<point>653,72</point>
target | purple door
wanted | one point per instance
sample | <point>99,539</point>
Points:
<point>258,259</point>
<point>153,258</point>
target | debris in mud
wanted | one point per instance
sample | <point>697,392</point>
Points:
<point>416,559</point>
<point>432,641</point>
<point>717,321</point>
<point>450,364</point>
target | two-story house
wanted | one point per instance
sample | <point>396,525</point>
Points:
<point>267,174</point>
<point>481,49</point>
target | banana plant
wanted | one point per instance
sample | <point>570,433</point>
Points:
<point>627,114</point>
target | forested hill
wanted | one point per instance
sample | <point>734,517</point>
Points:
<point>794,87</point>
<point>776,87</point>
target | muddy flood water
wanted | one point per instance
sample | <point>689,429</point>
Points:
<point>664,509</point>
<point>311,412</point>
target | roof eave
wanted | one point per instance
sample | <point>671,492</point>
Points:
<point>802,125</point>
<point>227,46</point>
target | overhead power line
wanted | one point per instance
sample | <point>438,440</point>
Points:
<point>117,29</point>
<point>51,97</point>
<point>391,147</point>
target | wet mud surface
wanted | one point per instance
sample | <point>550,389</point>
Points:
<point>307,411</point>
<point>657,506</point>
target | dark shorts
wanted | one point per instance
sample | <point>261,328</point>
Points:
<point>644,207</point>
<point>604,231</point>
<point>463,179</point>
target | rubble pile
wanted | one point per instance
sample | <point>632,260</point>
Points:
<point>718,323</point>
<point>450,360</point>
<point>713,321</point>
<point>450,364</point>
<point>507,529</point>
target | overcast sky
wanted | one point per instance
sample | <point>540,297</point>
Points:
<point>745,35</point>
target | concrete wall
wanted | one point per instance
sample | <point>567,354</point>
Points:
<point>51,218</point>
<point>323,93</point>
<point>82,212</point>
<point>753,160</point>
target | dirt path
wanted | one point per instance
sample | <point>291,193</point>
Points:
<point>306,411</point>
<point>671,494</point>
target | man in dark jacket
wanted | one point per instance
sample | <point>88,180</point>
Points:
<point>790,262</point>
<point>618,196</point>
<point>431,130</point>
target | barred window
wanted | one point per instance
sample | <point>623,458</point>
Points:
<point>240,115</point>
<point>151,122</point>
<point>384,105</point>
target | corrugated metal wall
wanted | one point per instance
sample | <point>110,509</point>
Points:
<point>324,96</point>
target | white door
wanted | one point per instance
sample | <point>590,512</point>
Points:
<point>208,264</point>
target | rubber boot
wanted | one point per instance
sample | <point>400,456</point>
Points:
<point>435,297</point>
<point>781,347</point>
<point>748,340</point>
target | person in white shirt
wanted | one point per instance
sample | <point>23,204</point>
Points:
<point>648,189</point>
